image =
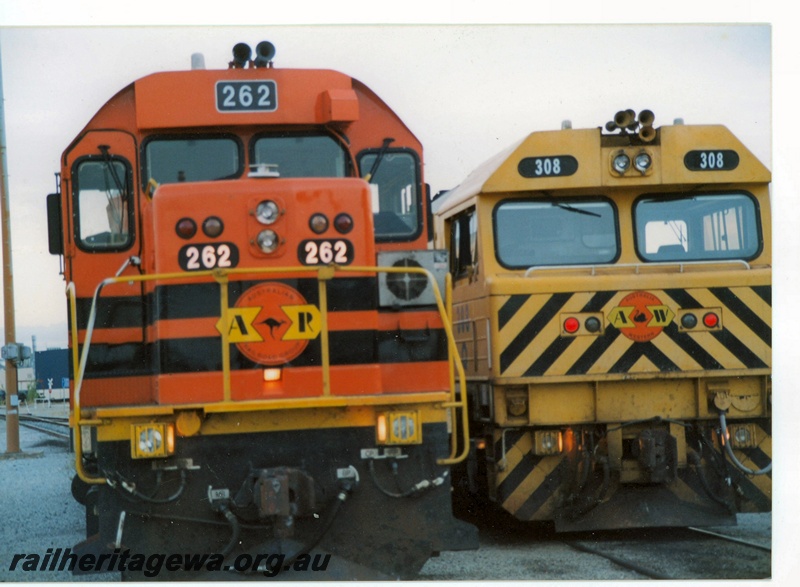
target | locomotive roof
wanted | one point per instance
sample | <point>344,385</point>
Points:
<point>589,146</point>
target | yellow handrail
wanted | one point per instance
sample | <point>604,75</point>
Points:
<point>221,276</point>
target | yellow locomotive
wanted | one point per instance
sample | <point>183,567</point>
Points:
<point>612,306</point>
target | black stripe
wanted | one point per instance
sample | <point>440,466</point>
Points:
<point>512,436</point>
<point>549,356</point>
<point>745,314</point>
<point>764,292</point>
<point>752,493</point>
<point>191,300</point>
<point>636,351</point>
<point>594,352</point>
<point>692,347</point>
<point>682,298</point>
<point>510,308</point>
<point>739,349</point>
<point>118,360</point>
<point>598,301</point>
<point>512,481</point>
<point>532,328</point>
<point>544,491</point>
<point>759,457</point>
<point>112,312</point>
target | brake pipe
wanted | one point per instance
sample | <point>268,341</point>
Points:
<point>729,451</point>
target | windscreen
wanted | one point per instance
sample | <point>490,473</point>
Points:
<point>530,233</point>
<point>697,227</point>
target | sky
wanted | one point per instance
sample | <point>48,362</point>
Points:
<point>469,78</point>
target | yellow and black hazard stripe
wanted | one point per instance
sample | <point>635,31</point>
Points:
<point>526,482</point>
<point>531,341</point>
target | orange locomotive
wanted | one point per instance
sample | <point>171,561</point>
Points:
<point>263,366</point>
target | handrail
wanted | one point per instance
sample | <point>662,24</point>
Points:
<point>76,396</point>
<point>221,276</point>
<point>637,266</point>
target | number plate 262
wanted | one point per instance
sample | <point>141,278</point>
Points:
<point>202,257</point>
<point>325,252</point>
<point>247,96</point>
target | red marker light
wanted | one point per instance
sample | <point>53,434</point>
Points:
<point>186,228</point>
<point>711,320</point>
<point>571,325</point>
<point>343,223</point>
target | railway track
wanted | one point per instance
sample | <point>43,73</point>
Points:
<point>669,556</point>
<point>51,425</point>
<point>515,551</point>
<point>732,539</point>
<point>652,567</point>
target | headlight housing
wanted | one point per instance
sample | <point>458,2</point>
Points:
<point>153,440</point>
<point>398,428</point>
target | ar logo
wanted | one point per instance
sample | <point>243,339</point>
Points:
<point>271,323</point>
<point>640,316</point>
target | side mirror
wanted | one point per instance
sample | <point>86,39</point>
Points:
<point>55,236</point>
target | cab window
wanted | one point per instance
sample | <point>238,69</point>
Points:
<point>562,231</point>
<point>463,242</point>
<point>178,159</point>
<point>396,205</point>
<point>697,227</point>
<point>301,155</point>
<point>103,204</point>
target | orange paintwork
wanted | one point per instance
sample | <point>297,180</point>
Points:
<point>176,103</point>
<point>304,382</point>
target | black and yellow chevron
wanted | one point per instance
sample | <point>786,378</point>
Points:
<point>532,342</point>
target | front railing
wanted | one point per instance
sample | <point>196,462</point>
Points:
<point>222,277</point>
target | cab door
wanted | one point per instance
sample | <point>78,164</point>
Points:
<point>102,240</point>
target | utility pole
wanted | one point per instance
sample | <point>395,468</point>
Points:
<point>12,401</point>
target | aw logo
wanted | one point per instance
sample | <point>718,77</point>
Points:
<point>271,323</point>
<point>640,316</point>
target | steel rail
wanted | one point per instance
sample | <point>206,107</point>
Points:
<point>621,562</point>
<point>730,538</point>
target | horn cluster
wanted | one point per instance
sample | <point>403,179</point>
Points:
<point>625,121</point>
<point>243,55</point>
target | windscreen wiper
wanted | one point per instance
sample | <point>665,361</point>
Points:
<point>576,210</point>
<point>110,167</point>
<point>386,142</point>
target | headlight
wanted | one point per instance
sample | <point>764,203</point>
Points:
<point>267,240</point>
<point>621,163</point>
<point>642,162</point>
<point>398,428</point>
<point>743,435</point>
<point>150,441</point>
<point>267,212</point>
<point>548,442</point>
